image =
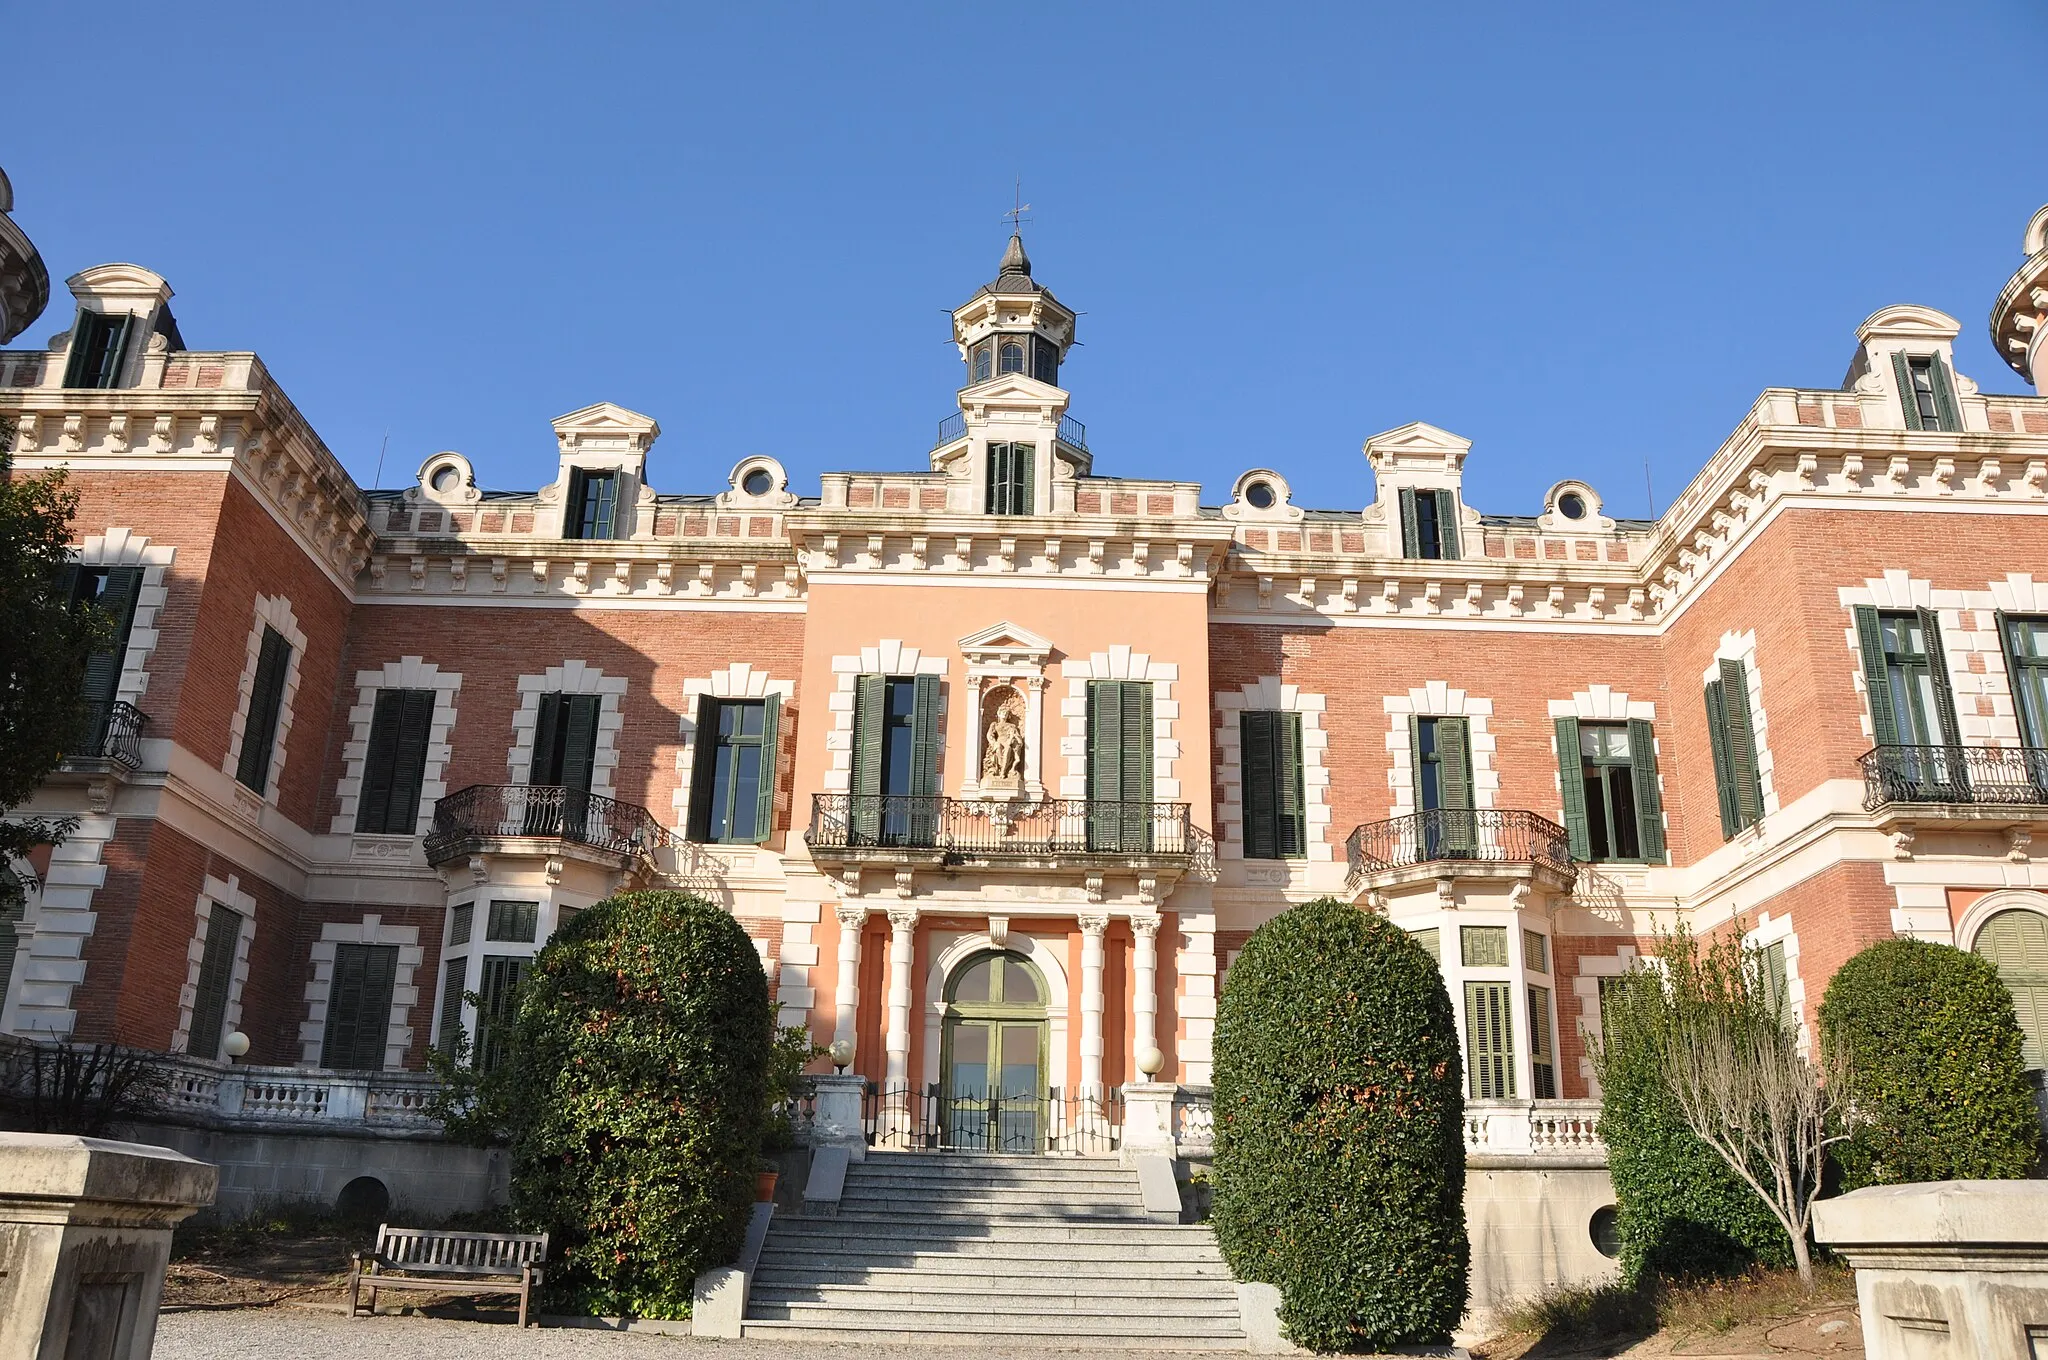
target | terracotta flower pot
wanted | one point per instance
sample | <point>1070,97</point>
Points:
<point>764,1186</point>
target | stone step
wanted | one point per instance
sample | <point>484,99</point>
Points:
<point>983,1164</point>
<point>945,1230</point>
<point>846,1299</point>
<point>964,1340</point>
<point>873,1253</point>
<point>1006,1179</point>
<point>998,1211</point>
<point>971,1272</point>
<point>1053,1324</point>
<point>1190,1298</point>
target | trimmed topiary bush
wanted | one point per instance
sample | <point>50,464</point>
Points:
<point>634,1091</point>
<point>1681,1211</point>
<point>1932,1050</point>
<point>1340,1153</point>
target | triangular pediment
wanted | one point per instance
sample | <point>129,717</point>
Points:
<point>606,416</point>
<point>1013,387</point>
<point>1005,641</point>
<point>1417,436</point>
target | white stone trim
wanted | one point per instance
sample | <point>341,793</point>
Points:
<point>794,995</point>
<point>1268,695</point>
<point>229,894</point>
<point>1121,663</point>
<point>948,950</point>
<point>1586,986</point>
<point>125,548</point>
<point>1770,930</point>
<point>571,677</point>
<point>740,680</point>
<point>273,611</point>
<point>1979,913</point>
<point>1742,647</point>
<point>887,657</point>
<point>1437,699</point>
<point>405,992</point>
<point>50,963</point>
<point>1194,970</point>
<point>408,672</point>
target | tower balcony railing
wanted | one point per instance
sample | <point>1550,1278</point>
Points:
<point>486,816</point>
<point>111,735</point>
<point>1990,777</point>
<point>1073,432</point>
<point>953,427</point>
<point>910,827</point>
<point>1447,837</point>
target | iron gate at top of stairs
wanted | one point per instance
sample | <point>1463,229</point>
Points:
<point>926,1119</point>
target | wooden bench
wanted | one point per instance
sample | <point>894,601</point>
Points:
<point>449,1263</point>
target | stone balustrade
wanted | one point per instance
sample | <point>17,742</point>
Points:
<point>222,1093</point>
<point>1534,1128</point>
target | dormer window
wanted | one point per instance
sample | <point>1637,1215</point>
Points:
<point>1011,357</point>
<point>1429,524</point>
<point>99,342</point>
<point>1925,392</point>
<point>593,504</point>
<point>1009,478</point>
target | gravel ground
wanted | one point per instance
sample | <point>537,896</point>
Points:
<point>308,1334</point>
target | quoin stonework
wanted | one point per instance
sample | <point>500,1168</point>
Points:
<point>1000,755</point>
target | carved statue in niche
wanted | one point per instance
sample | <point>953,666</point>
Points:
<point>1002,757</point>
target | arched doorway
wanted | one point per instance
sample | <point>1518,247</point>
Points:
<point>992,1082</point>
<point>2016,942</point>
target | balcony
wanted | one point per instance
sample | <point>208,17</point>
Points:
<point>109,740</point>
<point>954,427</point>
<point>1051,833</point>
<point>1989,788</point>
<point>538,819</point>
<point>1454,843</point>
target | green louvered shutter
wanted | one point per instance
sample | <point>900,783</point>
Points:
<point>451,1004</point>
<point>1571,778</point>
<point>1742,763</point>
<point>1724,775</point>
<point>2016,943</point>
<point>103,667</point>
<point>1454,781</point>
<point>1642,756</point>
<point>1776,980</point>
<point>870,721</point>
<point>1411,534</point>
<point>703,768</point>
<point>1022,474</point>
<point>380,762</point>
<point>498,998</point>
<point>545,768</point>
<point>926,779</point>
<point>359,1007</point>
<point>1489,1039</point>
<point>1136,752</point>
<point>1876,680</point>
<point>216,977</point>
<point>998,478</point>
<point>1903,375</point>
<point>1292,821</point>
<point>1447,524</point>
<point>266,702</point>
<point>771,738</point>
<point>1120,764</point>
<point>82,331</point>
<point>1944,395</point>
<point>1953,779</point>
<point>1258,736</point>
<point>109,374</point>
<point>579,743</point>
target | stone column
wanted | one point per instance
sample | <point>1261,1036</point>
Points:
<point>1093,925</point>
<point>1034,735</point>
<point>847,994</point>
<point>902,924</point>
<point>1144,991</point>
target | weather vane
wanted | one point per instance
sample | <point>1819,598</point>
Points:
<point>1018,209</point>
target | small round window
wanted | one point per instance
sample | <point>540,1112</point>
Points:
<point>1605,1230</point>
<point>1259,495</point>
<point>446,478</point>
<point>757,482</point>
<point>1571,505</point>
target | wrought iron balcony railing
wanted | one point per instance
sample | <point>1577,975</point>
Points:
<point>1073,432</point>
<point>1485,835</point>
<point>498,812</point>
<point>974,828</point>
<point>112,733</point>
<point>954,427</point>
<point>1996,776</point>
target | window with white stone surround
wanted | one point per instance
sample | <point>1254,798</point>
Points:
<point>737,681</point>
<point>1269,695</point>
<point>887,657</point>
<point>1771,931</point>
<point>404,991</point>
<point>1978,694</point>
<point>1438,699</point>
<point>1121,663</point>
<point>410,672</point>
<point>125,548</point>
<point>271,611</point>
<point>1742,647</point>
<point>571,677</point>
<point>228,892</point>
<point>1593,970</point>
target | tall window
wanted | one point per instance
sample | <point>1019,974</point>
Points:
<point>1429,523</point>
<point>266,703</point>
<point>216,980</point>
<point>1490,1039</point>
<point>1542,1065</point>
<point>895,777</point>
<point>1925,392</point>
<point>1010,356</point>
<point>593,504</point>
<point>498,1002</point>
<point>359,1006</point>
<point>1733,738</point>
<point>732,793</point>
<point>395,764</point>
<point>1009,478</point>
<point>2026,664</point>
<point>565,741</point>
<point>451,1003</point>
<point>1613,809</point>
<point>1045,361</point>
<point>1441,755</point>
<point>982,365</point>
<point>113,590</point>
<point>1275,815</point>
<point>1910,700</point>
<point>1119,765</point>
<point>99,342</point>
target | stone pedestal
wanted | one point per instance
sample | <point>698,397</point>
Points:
<point>85,1235</point>
<point>837,1122</point>
<point>1945,1268</point>
<point>1148,1121</point>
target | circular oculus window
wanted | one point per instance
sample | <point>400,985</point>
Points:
<point>1259,495</point>
<point>757,482</point>
<point>1571,505</point>
<point>446,478</point>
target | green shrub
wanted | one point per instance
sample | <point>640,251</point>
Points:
<point>1340,1155</point>
<point>1681,1211</point>
<point>634,1088</point>
<point>1933,1058</point>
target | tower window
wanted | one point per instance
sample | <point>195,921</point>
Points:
<point>1011,357</point>
<point>593,504</point>
<point>1926,392</point>
<point>1429,524</point>
<point>98,344</point>
<point>1009,478</point>
<point>981,365</point>
<point>1045,362</point>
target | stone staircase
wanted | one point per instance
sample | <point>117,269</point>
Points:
<point>967,1248</point>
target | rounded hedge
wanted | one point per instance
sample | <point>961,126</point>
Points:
<point>1932,1053</point>
<point>1681,1211</point>
<point>1340,1153</point>
<point>634,1096</point>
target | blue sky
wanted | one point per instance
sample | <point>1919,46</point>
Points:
<point>1581,236</point>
